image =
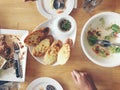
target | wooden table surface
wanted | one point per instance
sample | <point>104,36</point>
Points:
<point>17,14</point>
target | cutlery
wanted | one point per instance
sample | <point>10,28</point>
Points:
<point>106,43</point>
<point>17,64</point>
<point>3,82</point>
<point>50,87</point>
<point>58,4</point>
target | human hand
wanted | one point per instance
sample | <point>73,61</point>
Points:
<point>83,80</point>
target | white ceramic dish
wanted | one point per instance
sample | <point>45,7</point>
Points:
<point>9,74</point>
<point>110,18</point>
<point>56,34</point>
<point>46,10</point>
<point>41,83</point>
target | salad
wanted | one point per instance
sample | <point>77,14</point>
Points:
<point>109,33</point>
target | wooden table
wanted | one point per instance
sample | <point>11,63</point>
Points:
<point>17,14</point>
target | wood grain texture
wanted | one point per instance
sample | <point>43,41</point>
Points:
<point>17,14</point>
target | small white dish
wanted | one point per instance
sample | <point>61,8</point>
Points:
<point>59,31</point>
<point>57,36</point>
<point>41,83</point>
<point>94,22</point>
<point>9,74</point>
<point>44,7</point>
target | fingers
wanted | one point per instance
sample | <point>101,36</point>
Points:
<point>77,75</point>
<point>83,79</point>
<point>74,77</point>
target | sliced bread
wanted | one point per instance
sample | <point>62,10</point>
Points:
<point>64,52</point>
<point>35,37</point>
<point>40,49</point>
<point>51,54</point>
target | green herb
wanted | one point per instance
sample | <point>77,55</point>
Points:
<point>115,28</point>
<point>92,40</point>
<point>117,50</point>
<point>65,25</point>
<point>114,49</point>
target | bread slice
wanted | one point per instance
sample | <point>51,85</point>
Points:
<point>43,46</point>
<point>64,53</point>
<point>51,54</point>
<point>35,37</point>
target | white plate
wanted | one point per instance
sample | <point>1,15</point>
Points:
<point>46,10</point>
<point>42,82</point>
<point>94,22</point>
<point>9,74</point>
<point>56,34</point>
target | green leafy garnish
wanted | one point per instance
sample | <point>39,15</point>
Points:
<point>92,40</point>
<point>117,50</point>
<point>114,49</point>
<point>115,28</point>
<point>65,25</point>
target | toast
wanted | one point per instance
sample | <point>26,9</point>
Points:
<point>35,37</point>
<point>64,52</point>
<point>51,54</point>
<point>40,49</point>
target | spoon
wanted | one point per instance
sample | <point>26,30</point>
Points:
<point>58,4</point>
<point>50,87</point>
<point>106,43</point>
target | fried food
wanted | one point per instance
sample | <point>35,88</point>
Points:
<point>40,49</point>
<point>64,53</point>
<point>52,53</point>
<point>35,37</point>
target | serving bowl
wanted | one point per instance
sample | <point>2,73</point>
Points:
<point>100,20</point>
<point>47,10</point>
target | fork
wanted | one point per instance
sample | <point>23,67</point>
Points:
<point>17,64</point>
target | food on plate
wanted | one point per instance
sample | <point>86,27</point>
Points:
<point>35,37</point>
<point>2,61</point>
<point>70,42</point>
<point>109,33</point>
<point>7,49</point>
<point>52,53</point>
<point>42,47</point>
<point>47,49</point>
<point>6,45</point>
<point>64,52</point>
<point>64,25</point>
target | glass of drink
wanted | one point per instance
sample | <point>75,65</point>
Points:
<point>89,5</point>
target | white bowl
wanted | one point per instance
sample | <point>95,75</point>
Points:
<point>44,7</point>
<point>57,29</point>
<point>109,18</point>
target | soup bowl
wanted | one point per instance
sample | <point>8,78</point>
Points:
<point>101,21</point>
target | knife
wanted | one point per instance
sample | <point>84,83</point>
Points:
<point>17,65</point>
